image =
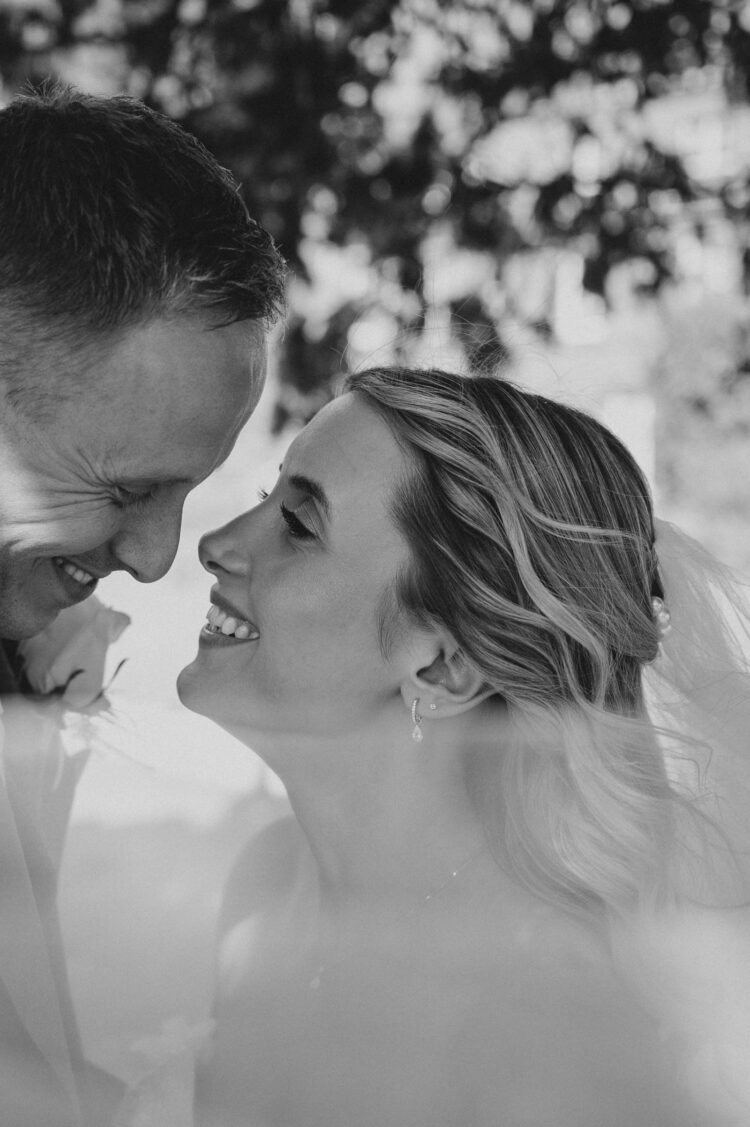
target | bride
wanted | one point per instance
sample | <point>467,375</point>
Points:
<point>435,631</point>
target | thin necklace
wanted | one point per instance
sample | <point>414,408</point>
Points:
<point>316,980</point>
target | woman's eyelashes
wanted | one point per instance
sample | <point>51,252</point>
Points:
<point>295,527</point>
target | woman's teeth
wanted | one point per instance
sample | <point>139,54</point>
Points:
<point>219,622</point>
<point>74,572</point>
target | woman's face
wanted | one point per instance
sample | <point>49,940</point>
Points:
<point>303,575</point>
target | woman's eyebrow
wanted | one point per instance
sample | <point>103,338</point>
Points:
<point>315,490</point>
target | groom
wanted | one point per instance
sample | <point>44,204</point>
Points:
<point>135,296</point>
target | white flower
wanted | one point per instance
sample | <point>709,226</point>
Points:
<point>68,657</point>
<point>178,1038</point>
<point>164,1095</point>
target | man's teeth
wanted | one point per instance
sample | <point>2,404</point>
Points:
<point>76,573</point>
<point>219,622</point>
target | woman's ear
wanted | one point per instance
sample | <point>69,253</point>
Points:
<point>450,682</point>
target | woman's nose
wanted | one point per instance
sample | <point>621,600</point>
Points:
<point>226,549</point>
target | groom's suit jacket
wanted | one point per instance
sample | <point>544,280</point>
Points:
<point>40,1052</point>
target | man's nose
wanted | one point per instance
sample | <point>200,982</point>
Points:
<point>147,544</point>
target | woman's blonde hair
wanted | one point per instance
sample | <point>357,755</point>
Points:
<point>532,536</point>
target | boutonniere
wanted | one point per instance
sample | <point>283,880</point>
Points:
<point>67,659</point>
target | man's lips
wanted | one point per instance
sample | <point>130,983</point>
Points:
<point>77,571</point>
<point>74,583</point>
<point>79,574</point>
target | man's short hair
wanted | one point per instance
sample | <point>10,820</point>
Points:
<point>111,215</point>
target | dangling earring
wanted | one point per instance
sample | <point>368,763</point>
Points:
<point>416,719</point>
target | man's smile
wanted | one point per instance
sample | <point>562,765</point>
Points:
<point>76,583</point>
<point>71,569</point>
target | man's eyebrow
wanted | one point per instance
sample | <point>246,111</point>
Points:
<point>314,488</point>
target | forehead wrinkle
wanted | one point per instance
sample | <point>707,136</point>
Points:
<point>199,440</point>
<point>139,481</point>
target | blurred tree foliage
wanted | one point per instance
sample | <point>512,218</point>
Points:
<point>703,424</point>
<point>501,125</point>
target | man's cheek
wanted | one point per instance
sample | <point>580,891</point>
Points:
<point>68,530</point>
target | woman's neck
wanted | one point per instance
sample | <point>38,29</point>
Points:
<point>385,818</point>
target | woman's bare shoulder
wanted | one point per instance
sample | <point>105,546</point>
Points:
<point>264,872</point>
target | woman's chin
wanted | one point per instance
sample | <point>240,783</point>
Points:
<point>200,692</point>
<point>193,690</point>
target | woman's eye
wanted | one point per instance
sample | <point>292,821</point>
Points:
<point>294,526</point>
<point>297,530</point>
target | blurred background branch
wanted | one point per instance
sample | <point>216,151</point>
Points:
<point>471,181</point>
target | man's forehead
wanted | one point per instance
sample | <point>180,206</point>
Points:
<point>188,447</point>
<point>196,374</point>
<point>186,354</point>
<point>161,403</point>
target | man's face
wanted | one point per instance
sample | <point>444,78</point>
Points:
<point>101,486</point>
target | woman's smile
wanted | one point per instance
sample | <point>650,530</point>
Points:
<point>225,624</point>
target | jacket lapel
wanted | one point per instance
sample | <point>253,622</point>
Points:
<point>9,682</point>
<point>25,945</point>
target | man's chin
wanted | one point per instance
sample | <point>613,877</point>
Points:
<point>17,624</point>
<point>31,603</point>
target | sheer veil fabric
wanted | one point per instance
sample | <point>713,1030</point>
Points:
<point>698,696</point>
<point>691,964</point>
<point>693,967</point>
